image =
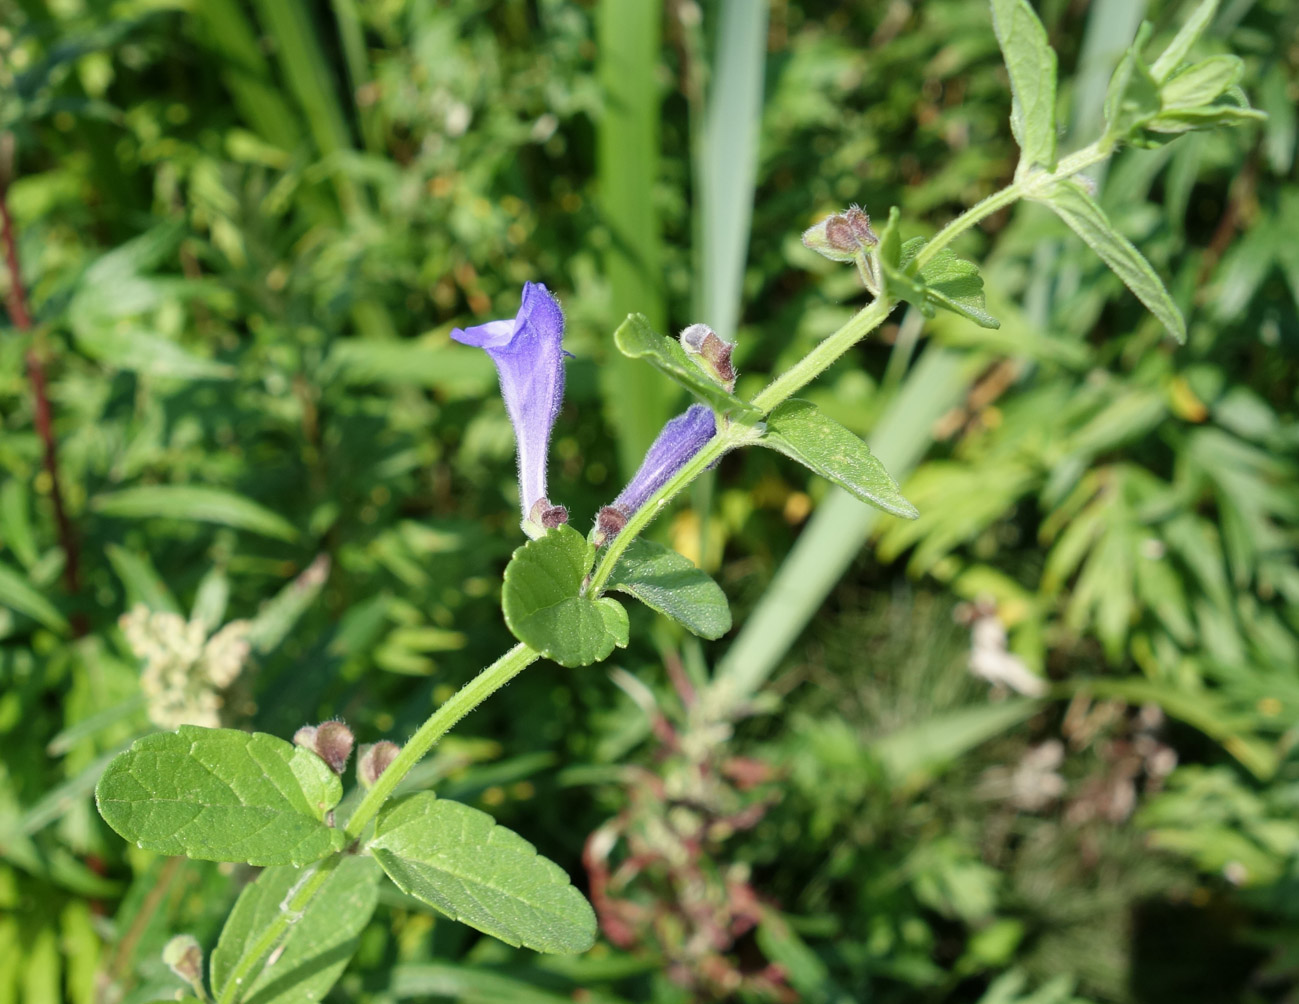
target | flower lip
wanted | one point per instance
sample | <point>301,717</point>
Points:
<point>529,360</point>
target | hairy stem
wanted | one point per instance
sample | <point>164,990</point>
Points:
<point>1032,184</point>
<point>16,302</point>
<point>463,701</point>
<point>820,358</point>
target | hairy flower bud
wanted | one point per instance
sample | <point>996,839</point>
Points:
<point>843,236</point>
<point>331,741</point>
<point>374,760</point>
<point>681,439</point>
<point>711,352</point>
<point>547,516</point>
<point>184,957</point>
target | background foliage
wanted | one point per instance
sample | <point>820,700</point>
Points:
<point>245,230</point>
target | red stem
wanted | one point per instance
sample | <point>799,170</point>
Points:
<point>16,301</point>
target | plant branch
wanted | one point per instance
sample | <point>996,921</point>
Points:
<point>820,358</point>
<point>463,701</point>
<point>1033,184</point>
<point>16,302</point>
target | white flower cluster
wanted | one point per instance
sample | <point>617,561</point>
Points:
<point>184,669</point>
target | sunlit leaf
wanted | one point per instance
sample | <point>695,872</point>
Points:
<point>670,583</point>
<point>460,861</point>
<point>545,609</point>
<point>222,795</point>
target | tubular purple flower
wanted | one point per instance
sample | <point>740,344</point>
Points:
<point>681,439</point>
<point>530,362</point>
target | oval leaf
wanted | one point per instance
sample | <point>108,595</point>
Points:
<point>635,338</point>
<point>544,606</point>
<point>222,795</point>
<point>460,861</point>
<point>799,430</point>
<point>318,946</point>
<point>193,502</point>
<point>670,583</point>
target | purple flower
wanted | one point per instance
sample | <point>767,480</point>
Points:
<point>681,439</point>
<point>530,363</point>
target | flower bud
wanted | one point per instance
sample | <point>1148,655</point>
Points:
<point>547,516</point>
<point>374,760</point>
<point>843,236</point>
<point>184,957</point>
<point>682,437</point>
<point>331,741</point>
<point>609,522</point>
<point>711,352</point>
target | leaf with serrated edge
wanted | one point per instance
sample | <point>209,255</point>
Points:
<point>544,607</point>
<point>1081,212</point>
<point>222,795</point>
<point>635,338</point>
<point>457,859</point>
<point>799,430</point>
<point>319,944</point>
<point>1031,63</point>
<point>670,583</point>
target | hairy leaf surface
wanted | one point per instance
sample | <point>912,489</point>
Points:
<point>544,607</point>
<point>670,583</point>
<point>222,795</point>
<point>459,860</point>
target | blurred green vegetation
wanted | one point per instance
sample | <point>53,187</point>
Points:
<point>245,228</point>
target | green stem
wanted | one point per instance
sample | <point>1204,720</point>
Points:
<point>1032,184</point>
<point>463,701</point>
<point>819,359</point>
<point>297,902</point>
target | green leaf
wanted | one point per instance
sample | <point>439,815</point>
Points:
<point>142,581</point>
<point>281,612</point>
<point>130,348</point>
<point>670,583</point>
<point>222,795</point>
<point>1031,62</point>
<point>1132,99</point>
<point>1180,47</point>
<point>544,606</point>
<point>18,594</point>
<point>15,523</point>
<point>1201,84</point>
<point>951,282</point>
<point>914,754</point>
<point>319,944</point>
<point>1080,211</point>
<point>799,430</point>
<point>192,502</point>
<point>635,338</point>
<point>460,861</point>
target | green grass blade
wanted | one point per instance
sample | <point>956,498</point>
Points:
<point>223,26</point>
<point>726,162</point>
<point>308,75</point>
<point>627,163</point>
